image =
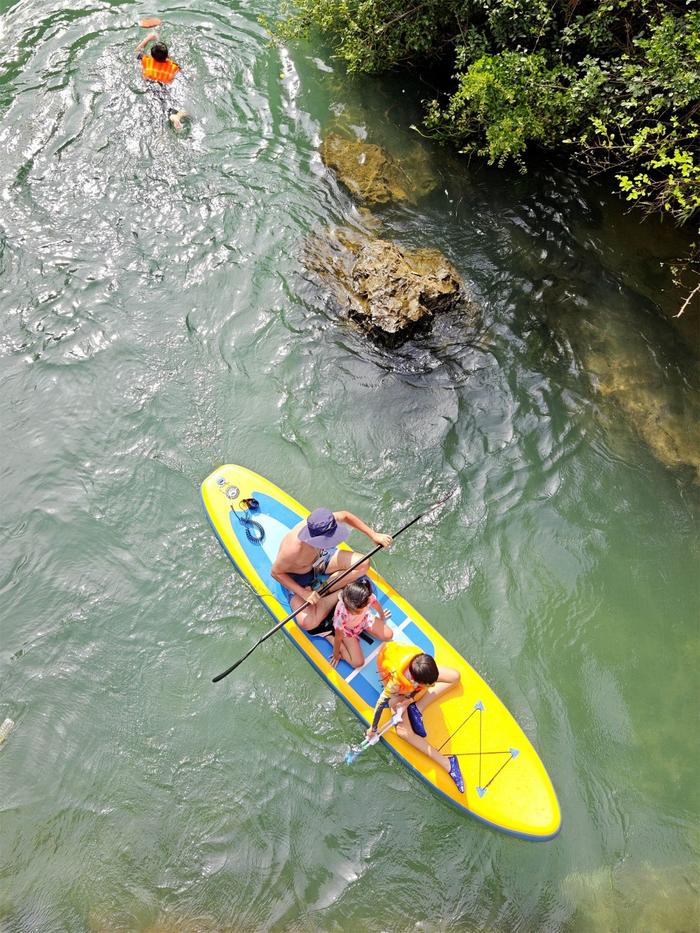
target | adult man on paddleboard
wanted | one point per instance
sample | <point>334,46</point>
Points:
<point>309,553</point>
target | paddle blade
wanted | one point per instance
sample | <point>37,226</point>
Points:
<point>355,753</point>
<point>149,22</point>
<point>229,670</point>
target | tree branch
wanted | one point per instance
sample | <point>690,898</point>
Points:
<point>688,299</point>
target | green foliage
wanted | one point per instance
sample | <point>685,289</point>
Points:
<point>373,35</point>
<point>508,101</point>
<point>514,24</point>
<point>646,127</point>
<point>617,82</point>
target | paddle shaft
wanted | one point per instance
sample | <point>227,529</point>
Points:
<point>326,588</point>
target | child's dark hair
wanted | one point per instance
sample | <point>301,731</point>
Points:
<point>159,51</point>
<point>423,669</point>
<point>357,594</point>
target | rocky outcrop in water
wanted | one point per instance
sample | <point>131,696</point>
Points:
<point>388,290</point>
<point>371,175</point>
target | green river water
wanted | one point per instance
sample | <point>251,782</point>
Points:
<point>157,321</point>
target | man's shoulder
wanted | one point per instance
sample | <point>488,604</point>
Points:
<point>293,533</point>
<point>289,542</point>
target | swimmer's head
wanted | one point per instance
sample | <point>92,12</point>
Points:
<point>159,51</point>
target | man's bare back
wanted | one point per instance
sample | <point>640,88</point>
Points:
<point>295,556</point>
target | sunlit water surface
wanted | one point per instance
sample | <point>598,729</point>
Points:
<point>156,322</point>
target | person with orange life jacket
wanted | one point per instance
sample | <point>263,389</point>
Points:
<point>412,680</point>
<point>157,66</point>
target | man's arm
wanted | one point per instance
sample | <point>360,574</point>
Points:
<point>377,537</point>
<point>279,573</point>
<point>289,583</point>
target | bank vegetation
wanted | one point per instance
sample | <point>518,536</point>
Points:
<point>615,83</point>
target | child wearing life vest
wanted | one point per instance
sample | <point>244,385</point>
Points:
<point>412,680</point>
<point>354,614</point>
<point>156,65</point>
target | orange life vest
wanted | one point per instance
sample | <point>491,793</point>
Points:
<point>393,662</point>
<point>158,71</point>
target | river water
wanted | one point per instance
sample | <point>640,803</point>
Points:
<point>157,321</point>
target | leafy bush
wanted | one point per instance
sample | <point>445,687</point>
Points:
<point>508,101</point>
<point>646,127</point>
<point>615,82</point>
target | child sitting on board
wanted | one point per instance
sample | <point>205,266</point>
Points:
<point>413,680</point>
<point>357,610</point>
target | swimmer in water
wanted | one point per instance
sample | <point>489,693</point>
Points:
<point>158,67</point>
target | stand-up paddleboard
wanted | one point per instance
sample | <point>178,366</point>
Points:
<point>505,782</point>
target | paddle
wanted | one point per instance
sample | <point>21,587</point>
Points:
<point>326,588</point>
<point>149,22</point>
<point>365,744</point>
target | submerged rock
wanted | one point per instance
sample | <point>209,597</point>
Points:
<point>372,175</point>
<point>664,416</point>
<point>165,922</point>
<point>636,364</point>
<point>387,289</point>
<point>656,899</point>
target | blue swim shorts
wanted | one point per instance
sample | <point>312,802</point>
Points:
<point>315,577</point>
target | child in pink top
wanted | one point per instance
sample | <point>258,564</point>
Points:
<point>356,611</point>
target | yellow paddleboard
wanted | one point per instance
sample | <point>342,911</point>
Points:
<point>506,784</point>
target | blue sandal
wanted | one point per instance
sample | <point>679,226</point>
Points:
<point>456,773</point>
<point>416,719</point>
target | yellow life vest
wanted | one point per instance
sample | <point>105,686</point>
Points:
<point>158,71</point>
<point>393,662</point>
